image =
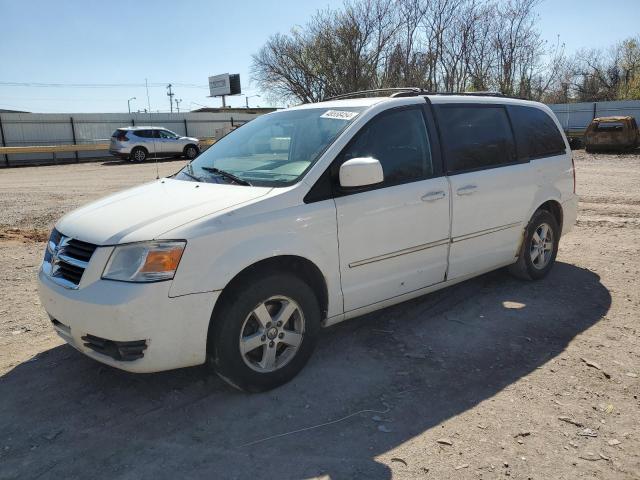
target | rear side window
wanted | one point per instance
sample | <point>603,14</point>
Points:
<point>398,140</point>
<point>536,133</point>
<point>120,134</point>
<point>144,133</point>
<point>475,136</point>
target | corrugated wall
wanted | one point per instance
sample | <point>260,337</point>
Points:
<point>577,116</point>
<point>26,129</point>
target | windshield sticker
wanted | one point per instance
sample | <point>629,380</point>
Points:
<point>339,115</point>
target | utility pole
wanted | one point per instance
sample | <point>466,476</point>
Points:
<point>170,94</point>
<point>178,101</point>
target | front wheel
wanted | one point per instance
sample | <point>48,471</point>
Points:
<point>264,334</point>
<point>539,247</point>
<point>190,152</point>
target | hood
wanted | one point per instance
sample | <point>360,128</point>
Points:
<point>190,139</point>
<point>145,212</point>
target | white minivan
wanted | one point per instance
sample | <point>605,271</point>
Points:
<point>303,218</point>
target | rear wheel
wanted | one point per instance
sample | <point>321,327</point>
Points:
<point>264,334</point>
<point>139,154</point>
<point>539,247</point>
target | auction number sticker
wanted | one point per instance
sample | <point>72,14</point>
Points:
<point>339,114</point>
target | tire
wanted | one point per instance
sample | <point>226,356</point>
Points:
<point>139,154</point>
<point>536,258</point>
<point>273,353</point>
<point>190,152</point>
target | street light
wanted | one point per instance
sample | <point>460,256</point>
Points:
<point>246,99</point>
<point>129,103</point>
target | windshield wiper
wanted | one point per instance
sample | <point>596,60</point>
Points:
<point>228,175</point>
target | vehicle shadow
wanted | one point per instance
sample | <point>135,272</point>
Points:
<point>416,364</point>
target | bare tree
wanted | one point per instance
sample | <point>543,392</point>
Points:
<point>439,45</point>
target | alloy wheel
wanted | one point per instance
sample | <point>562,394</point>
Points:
<point>541,248</point>
<point>271,334</point>
<point>139,155</point>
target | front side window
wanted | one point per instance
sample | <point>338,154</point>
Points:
<point>167,134</point>
<point>475,136</point>
<point>536,133</point>
<point>273,150</point>
<point>398,140</point>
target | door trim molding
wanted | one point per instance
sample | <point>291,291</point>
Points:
<point>485,232</point>
<point>397,253</point>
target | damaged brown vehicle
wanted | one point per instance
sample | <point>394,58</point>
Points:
<point>611,133</point>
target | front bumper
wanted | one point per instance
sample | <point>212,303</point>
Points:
<point>174,329</point>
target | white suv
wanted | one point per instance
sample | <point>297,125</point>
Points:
<point>139,143</point>
<point>303,218</point>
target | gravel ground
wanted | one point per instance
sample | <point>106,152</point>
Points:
<point>490,378</point>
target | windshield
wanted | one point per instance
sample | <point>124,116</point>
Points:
<point>273,150</point>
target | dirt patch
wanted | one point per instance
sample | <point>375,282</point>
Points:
<point>492,378</point>
<point>17,234</point>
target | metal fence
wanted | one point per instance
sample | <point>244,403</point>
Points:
<point>577,116</point>
<point>33,129</point>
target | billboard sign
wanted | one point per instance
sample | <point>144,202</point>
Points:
<point>224,84</point>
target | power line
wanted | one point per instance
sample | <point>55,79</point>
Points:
<point>96,85</point>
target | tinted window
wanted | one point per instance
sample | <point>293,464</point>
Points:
<point>536,133</point>
<point>166,134</point>
<point>398,139</point>
<point>475,137</point>
<point>610,127</point>
<point>143,133</point>
<point>120,134</point>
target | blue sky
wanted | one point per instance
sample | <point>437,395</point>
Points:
<point>124,42</point>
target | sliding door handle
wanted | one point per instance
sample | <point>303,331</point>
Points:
<point>467,190</point>
<point>433,196</point>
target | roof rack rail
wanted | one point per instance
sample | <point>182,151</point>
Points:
<point>415,91</point>
<point>473,94</point>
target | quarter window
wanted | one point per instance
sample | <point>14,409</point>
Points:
<point>398,140</point>
<point>475,137</point>
<point>536,133</point>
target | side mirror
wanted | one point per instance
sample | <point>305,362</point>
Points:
<point>360,172</point>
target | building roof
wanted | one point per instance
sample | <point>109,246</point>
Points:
<point>4,110</point>
<point>235,110</point>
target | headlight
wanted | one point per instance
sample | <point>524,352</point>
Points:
<point>144,262</point>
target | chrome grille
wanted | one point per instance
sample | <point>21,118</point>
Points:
<point>66,259</point>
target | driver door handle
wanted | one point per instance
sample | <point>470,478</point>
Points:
<point>467,190</point>
<point>433,196</point>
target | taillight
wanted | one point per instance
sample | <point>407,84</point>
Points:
<point>573,167</point>
<point>122,137</point>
